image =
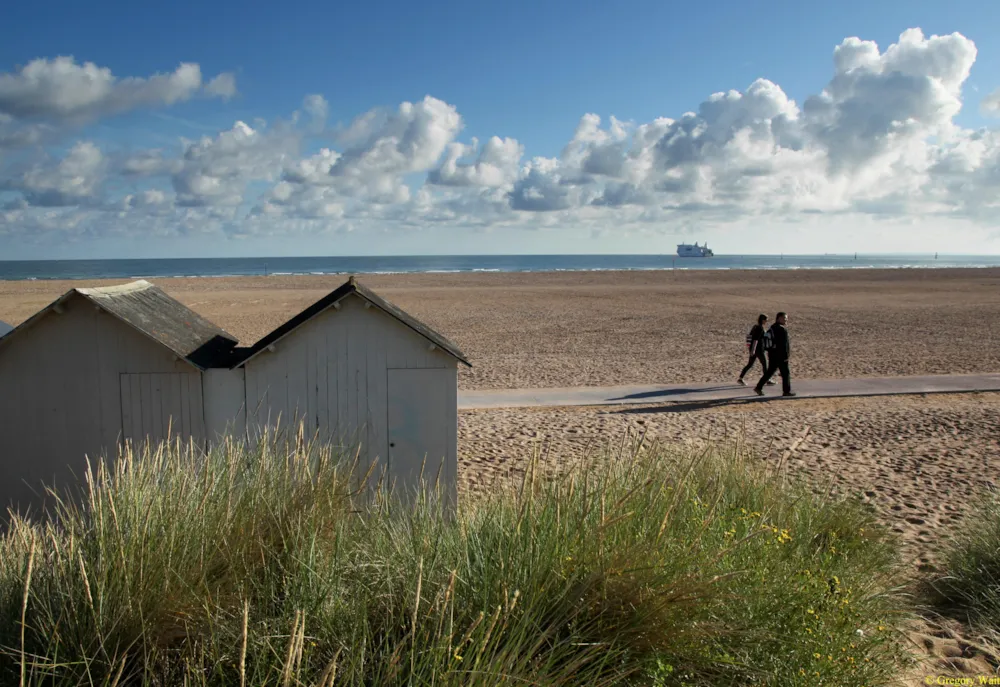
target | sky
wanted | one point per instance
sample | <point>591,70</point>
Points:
<point>391,128</point>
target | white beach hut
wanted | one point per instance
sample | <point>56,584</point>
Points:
<point>93,368</point>
<point>354,367</point>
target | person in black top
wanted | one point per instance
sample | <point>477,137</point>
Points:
<point>756,351</point>
<point>780,352</point>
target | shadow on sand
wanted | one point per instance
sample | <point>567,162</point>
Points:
<point>697,405</point>
<point>662,393</point>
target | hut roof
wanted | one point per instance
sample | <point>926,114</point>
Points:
<point>150,311</point>
<point>351,286</point>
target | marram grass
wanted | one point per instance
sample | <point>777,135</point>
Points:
<point>969,586</point>
<point>645,566</point>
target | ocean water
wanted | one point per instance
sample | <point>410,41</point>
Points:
<point>218,267</point>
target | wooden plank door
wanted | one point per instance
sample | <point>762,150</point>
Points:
<point>157,406</point>
<point>417,428</point>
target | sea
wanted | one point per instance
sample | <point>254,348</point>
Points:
<point>231,267</point>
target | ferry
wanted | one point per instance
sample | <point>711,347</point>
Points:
<point>686,250</point>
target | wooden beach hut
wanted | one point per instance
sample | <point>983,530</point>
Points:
<point>353,367</point>
<point>93,368</point>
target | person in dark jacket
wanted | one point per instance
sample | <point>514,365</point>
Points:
<point>756,349</point>
<point>778,355</point>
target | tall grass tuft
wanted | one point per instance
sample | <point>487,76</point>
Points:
<point>648,565</point>
<point>969,588</point>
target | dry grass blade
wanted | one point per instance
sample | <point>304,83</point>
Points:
<point>286,677</point>
<point>329,674</point>
<point>243,643</point>
<point>121,670</point>
<point>24,608</point>
<point>416,612</point>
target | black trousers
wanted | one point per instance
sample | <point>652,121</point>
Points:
<point>759,355</point>
<point>780,366</point>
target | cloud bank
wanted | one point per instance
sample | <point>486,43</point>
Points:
<point>879,139</point>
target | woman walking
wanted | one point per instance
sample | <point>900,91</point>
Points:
<point>755,346</point>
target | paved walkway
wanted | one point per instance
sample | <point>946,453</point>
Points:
<point>697,395</point>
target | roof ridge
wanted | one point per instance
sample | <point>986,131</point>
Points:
<point>137,285</point>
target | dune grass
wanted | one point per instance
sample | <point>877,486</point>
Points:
<point>648,566</point>
<point>969,588</point>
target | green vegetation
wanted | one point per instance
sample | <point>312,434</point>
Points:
<point>649,566</point>
<point>969,589</point>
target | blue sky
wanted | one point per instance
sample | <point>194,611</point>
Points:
<point>524,71</point>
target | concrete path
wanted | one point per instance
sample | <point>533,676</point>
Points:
<point>703,395</point>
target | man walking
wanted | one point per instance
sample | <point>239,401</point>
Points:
<point>755,345</point>
<point>781,351</point>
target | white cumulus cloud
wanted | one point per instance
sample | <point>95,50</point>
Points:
<point>74,180</point>
<point>382,149</point>
<point>62,89</point>
<point>215,171</point>
<point>497,165</point>
<point>222,86</point>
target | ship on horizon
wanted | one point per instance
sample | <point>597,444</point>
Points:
<point>686,250</point>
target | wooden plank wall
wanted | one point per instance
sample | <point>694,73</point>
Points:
<point>330,375</point>
<point>225,403</point>
<point>162,406</point>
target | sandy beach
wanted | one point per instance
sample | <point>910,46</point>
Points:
<point>602,328</point>
<point>919,461</point>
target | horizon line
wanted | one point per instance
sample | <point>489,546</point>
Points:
<point>858,254</point>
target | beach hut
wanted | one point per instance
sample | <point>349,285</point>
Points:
<point>94,368</point>
<point>4,328</point>
<point>354,368</point>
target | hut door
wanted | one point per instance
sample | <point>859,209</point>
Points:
<point>417,427</point>
<point>157,403</point>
